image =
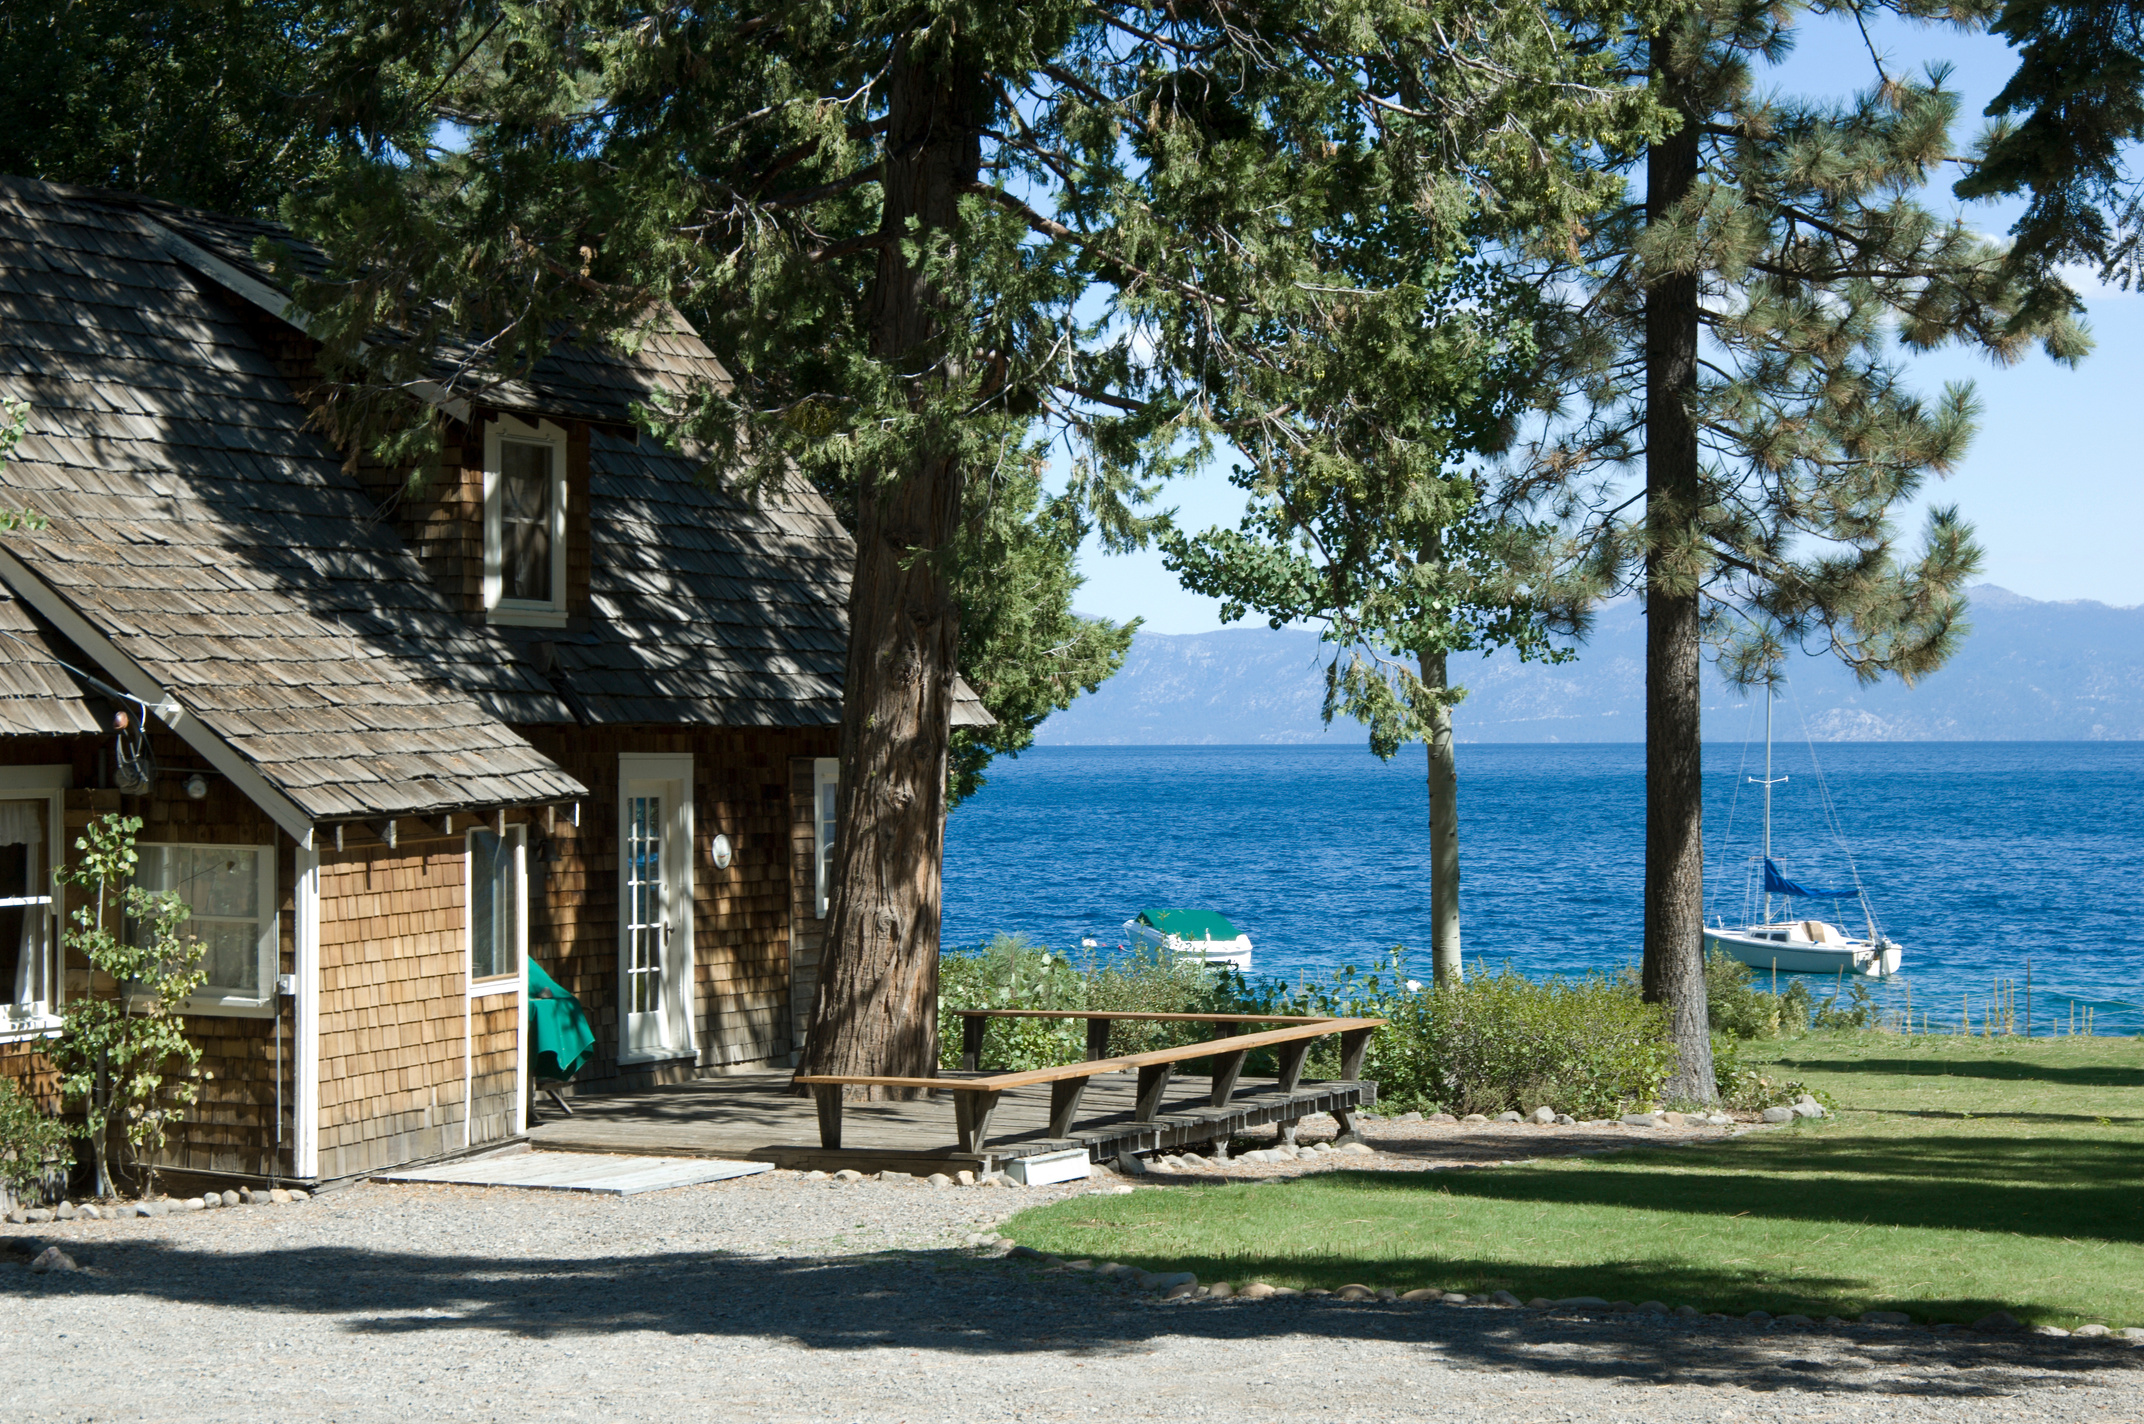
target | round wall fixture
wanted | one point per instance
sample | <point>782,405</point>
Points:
<point>197,786</point>
<point>721,849</point>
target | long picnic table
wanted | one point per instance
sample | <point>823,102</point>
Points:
<point>975,1096</point>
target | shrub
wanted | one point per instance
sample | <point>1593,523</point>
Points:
<point>30,1139</point>
<point>1500,1041</point>
<point>1013,972</point>
<point>1588,1047</point>
<point>1747,1089</point>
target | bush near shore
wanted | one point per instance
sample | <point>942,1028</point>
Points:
<point>1499,1041</point>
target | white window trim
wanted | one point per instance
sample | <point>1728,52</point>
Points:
<point>512,981</point>
<point>519,612</point>
<point>49,784</point>
<point>666,767</point>
<point>825,772</point>
<point>269,946</point>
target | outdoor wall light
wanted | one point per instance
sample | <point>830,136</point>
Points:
<point>197,786</point>
<point>721,852</point>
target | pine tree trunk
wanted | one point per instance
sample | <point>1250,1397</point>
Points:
<point>1444,953</point>
<point>877,1010</point>
<point>1674,969</point>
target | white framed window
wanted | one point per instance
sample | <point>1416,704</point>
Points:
<point>498,911</point>
<point>525,523</point>
<point>31,799</point>
<point>825,793</point>
<point>230,891</point>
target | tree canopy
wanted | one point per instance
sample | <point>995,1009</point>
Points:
<point>2066,126</point>
<point>203,102</point>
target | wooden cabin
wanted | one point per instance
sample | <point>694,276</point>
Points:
<point>391,737</point>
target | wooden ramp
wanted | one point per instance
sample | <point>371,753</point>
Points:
<point>578,1172</point>
<point>755,1117</point>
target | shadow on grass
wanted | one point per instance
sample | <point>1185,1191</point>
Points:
<point>2007,1070</point>
<point>949,1302</point>
<point>2036,1186</point>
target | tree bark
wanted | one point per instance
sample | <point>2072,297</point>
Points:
<point>1674,968</point>
<point>1444,952</point>
<point>877,1009</point>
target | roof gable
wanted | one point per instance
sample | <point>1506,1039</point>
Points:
<point>196,523</point>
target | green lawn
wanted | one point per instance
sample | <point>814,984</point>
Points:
<point>1960,1176</point>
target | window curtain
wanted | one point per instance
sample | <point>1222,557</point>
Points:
<point>22,824</point>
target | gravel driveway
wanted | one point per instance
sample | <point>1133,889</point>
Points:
<point>779,1298</point>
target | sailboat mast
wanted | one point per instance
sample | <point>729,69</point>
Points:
<point>1768,696</point>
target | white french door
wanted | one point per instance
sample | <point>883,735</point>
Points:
<point>655,907</point>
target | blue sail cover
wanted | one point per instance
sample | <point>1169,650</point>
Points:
<point>1777,884</point>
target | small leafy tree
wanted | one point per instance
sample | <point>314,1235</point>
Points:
<point>116,1052</point>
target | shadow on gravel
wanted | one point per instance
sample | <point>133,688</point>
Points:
<point>956,1302</point>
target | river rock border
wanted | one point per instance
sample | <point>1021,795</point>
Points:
<point>159,1206</point>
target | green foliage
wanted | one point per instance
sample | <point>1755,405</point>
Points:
<point>1859,1009</point>
<point>2065,128</point>
<point>124,1057</point>
<point>1500,1041</point>
<point>1741,1009</point>
<point>1013,972</point>
<point>30,1139</point>
<point>1753,1087</point>
<point>204,102</point>
<point>14,420</point>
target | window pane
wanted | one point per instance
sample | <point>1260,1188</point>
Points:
<point>233,958</point>
<point>525,489</point>
<point>484,905</point>
<point>222,891</point>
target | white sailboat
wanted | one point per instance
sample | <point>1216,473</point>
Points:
<point>1795,946</point>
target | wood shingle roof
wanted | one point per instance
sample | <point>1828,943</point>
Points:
<point>196,524</point>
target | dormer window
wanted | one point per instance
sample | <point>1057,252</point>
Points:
<point>525,523</point>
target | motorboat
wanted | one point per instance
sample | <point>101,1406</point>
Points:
<point>1192,934</point>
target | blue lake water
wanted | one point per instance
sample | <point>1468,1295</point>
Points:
<point>1976,855</point>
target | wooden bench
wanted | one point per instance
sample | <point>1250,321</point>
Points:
<point>976,1098</point>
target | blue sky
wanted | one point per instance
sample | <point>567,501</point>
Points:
<point>2051,481</point>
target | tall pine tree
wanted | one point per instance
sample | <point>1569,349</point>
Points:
<point>1736,330</point>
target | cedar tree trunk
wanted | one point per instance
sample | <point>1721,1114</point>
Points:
<point>877,1010</point>
<point>1674,966</point>
<point>1444,955</point>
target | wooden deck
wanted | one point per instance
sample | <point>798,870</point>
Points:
<point>754,1117</point>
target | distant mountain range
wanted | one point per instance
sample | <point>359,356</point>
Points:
<point>2029,671</point>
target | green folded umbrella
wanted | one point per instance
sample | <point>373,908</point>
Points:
<point>564,1041</point>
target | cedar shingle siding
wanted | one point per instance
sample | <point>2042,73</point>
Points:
<point>312,636</point>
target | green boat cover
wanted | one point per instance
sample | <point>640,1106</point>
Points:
<point>564,1040</point>
<point>1190,924</point>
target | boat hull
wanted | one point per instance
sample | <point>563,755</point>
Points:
<point>1233,952</point>
<point>1874,961</point>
